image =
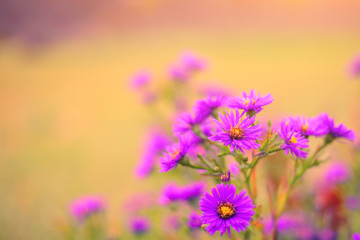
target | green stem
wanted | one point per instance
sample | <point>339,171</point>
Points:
<point>185,162</point>
<point>203,161</point>
<point>308,163</point>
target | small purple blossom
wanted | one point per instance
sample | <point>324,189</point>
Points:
<point>293,141</point>
<point>308,126</point>
<point>339,131</point>
<point>225,209</point>
<point>191,62</point>
<point>184,124</point>
<point>356,236</point>
<point>225,177</point>
<point>178,73</point>
<point>250,102</point>
<point>176,152</point>
<point>194,221</point>
<point>337,172</point>
<point>188,192</point>
<point>205,107</point>
<point>239,134</point>
<point>156,142</point>
<point>140,79</point>
<point>83,207</point>
<point>139,225</point>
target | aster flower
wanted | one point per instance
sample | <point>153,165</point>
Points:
<point>176,152</point>
<point>339,131</point>
<point>139,225</point>
<point>191,62</point>
<point>356,236</point>
<point>188,192</point>
<point>308,126</point>
<point>155,143</point>
<point>204,108</point>
<point>207,127</point>
<point>140,79</point>
<point>293,141</point>
<point>250,102</point>
<point>178,73</point>
<point>225,209</point>
<point>337,172</point>
<point>84,207</point>
<point>184,124</point>
<point>194,221</point>
<point>225,177</point>
<point>239,134</point>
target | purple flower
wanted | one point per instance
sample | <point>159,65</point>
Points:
<point>194,221</point>
<point>225,177</point>
<point>191,62</point>
<point>156,142</point>
<point>293,141</point>
<point>178,73</point>
<point>339,131</point>
<point>250,102</point>
<point>176,152</point>
<point>139,225</point>
<point>82,208</point>
<point>189,192</point>
<point>204,108</point>
<point>225,209</point>
<point>354,67</point>
<point>356,236</point>
<point>238,134</point>
<point>337,172</point>
<point>184,124</point>
<point>308,126</point>
<point>140,79</point>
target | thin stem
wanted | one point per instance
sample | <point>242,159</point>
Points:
<point>203,161</point>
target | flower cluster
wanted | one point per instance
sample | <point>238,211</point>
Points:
<point>215,144</point>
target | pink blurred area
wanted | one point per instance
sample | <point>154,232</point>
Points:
<point>43,21</point>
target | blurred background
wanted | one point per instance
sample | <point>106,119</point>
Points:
<point>70,125</point>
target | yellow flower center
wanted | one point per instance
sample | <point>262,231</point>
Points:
<point>175,153</point>
<point>247,101</point>
<point>226,210</point>
<point>304,127</point>
<point>237,133</point>
<point>293,140</point>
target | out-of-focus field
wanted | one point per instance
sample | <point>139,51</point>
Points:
<point>69,125</point>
